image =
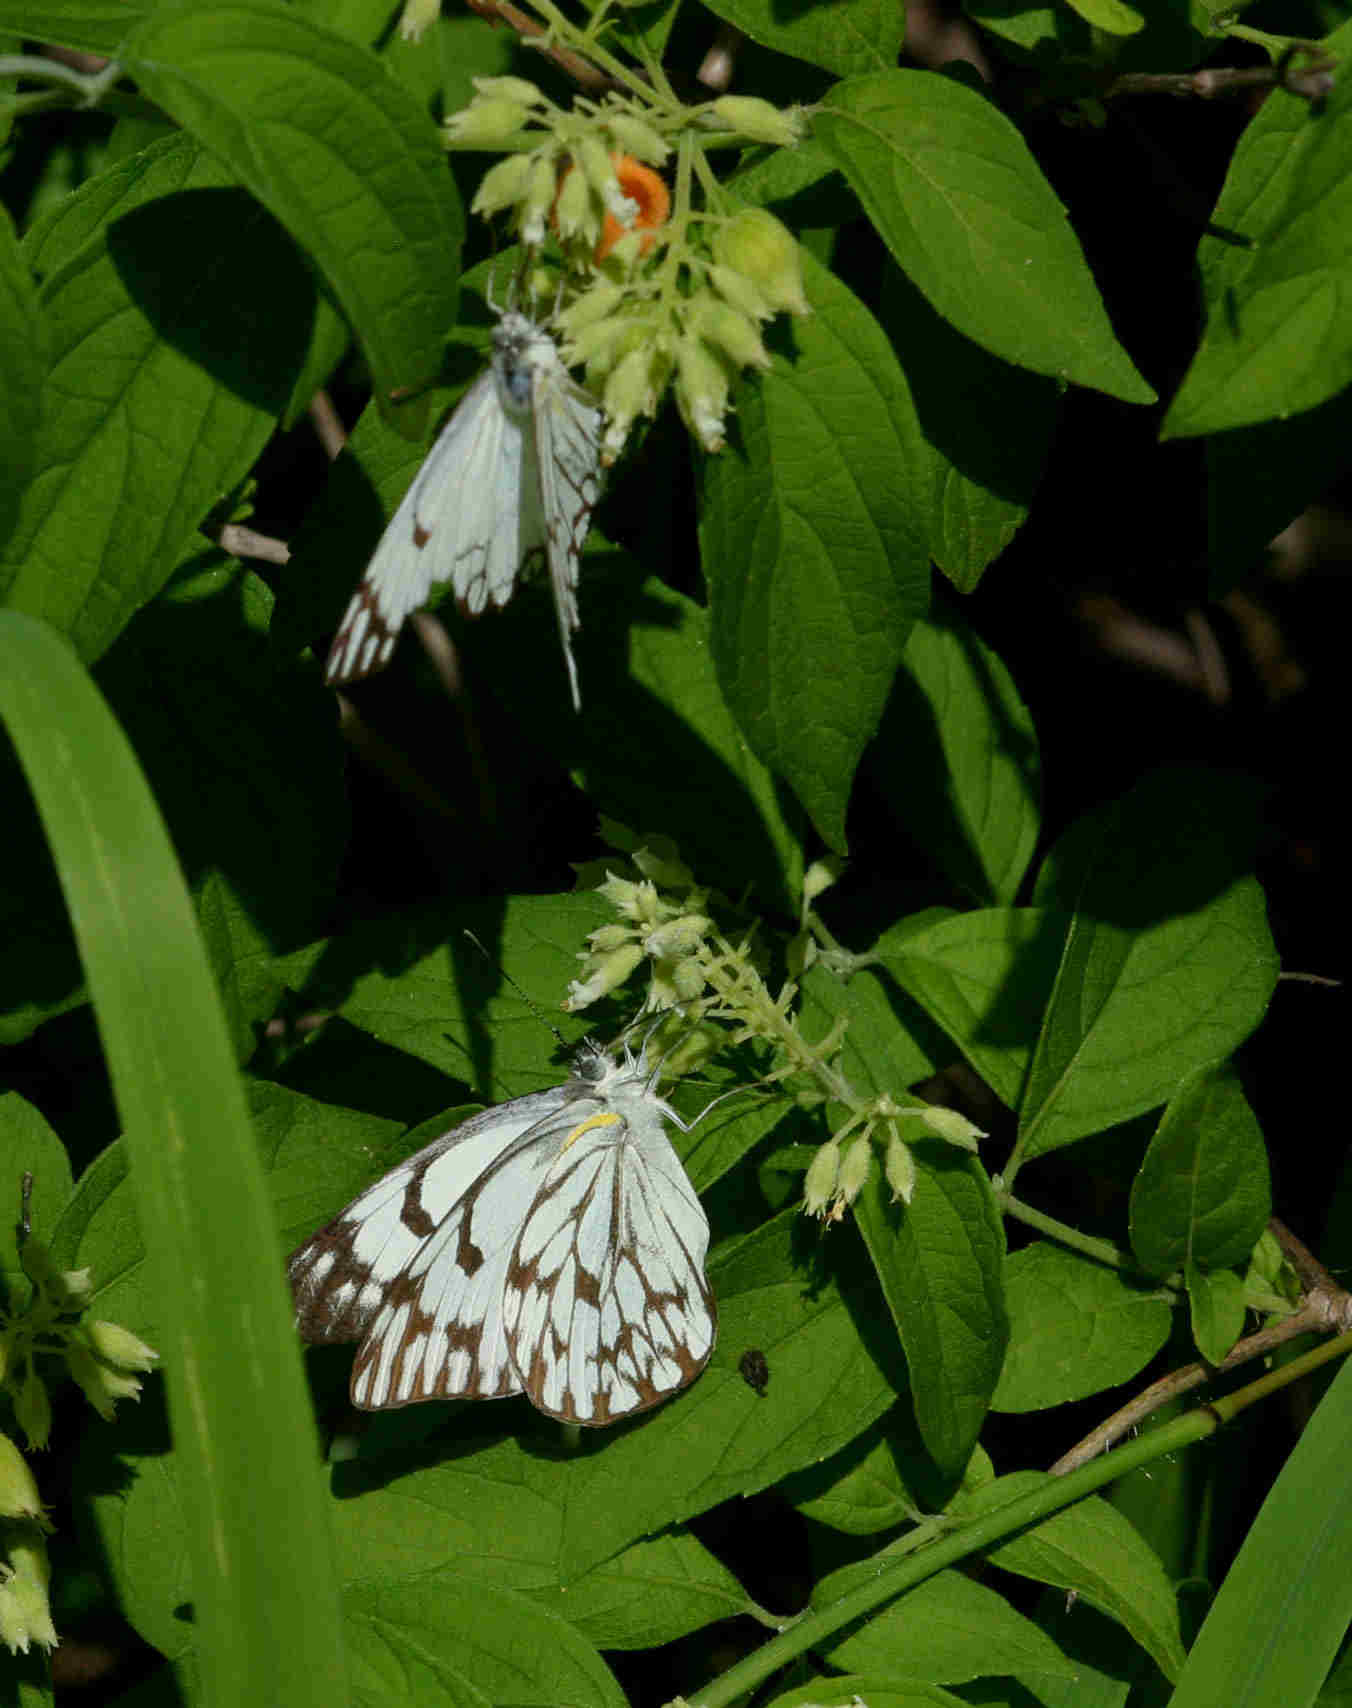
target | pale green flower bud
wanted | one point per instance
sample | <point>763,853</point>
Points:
<point>538,200</point>
<point>598,346</point>
<point>855,1171</point>
<point>120,1347</point>
<point>593,157</point>
<point>608,937</point>
<point>611,972</point>
<point>417,17</point>
<point>755,244</point>
<point>630,391</point>
<point>737,289</point>
<point>504,185</point>
<point>597,303</point>
<point>678,936</point>
<point>688,977</point>
<point>25,1612</point>
<point>820,875</point>
<point>626,250</point>
<point>762,122</point>
<point>510,89</point>
<point>486,124</point>
<point>702,392</point>
<point>819,1184</point>
<point>635,136</point>
<point>33,1410</point>
<point>899,1167</point>
<point>732,332</point>
<point>101,1386</point>
<point>19,1497</point>
<point>627,897</point>
<point>953,1128</point>
<point>575,212</point>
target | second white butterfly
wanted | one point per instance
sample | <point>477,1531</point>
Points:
<point>513,477</point>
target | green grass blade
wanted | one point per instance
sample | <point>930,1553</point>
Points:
<point>265,1599</point>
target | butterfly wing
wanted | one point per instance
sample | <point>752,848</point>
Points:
<point>458,522</point>
<point>414,1267</point>
<point>606,1306</point>
<point>568,448</point>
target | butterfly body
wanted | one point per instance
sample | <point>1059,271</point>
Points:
<point>512,478</point>
<point>552,1246</point>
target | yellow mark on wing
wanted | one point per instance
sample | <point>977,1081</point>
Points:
<point>607,1118</point>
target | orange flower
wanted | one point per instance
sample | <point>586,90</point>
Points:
<point>642,185</point>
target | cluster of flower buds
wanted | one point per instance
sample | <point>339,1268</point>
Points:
<point>667,930</point>
<point>103,1358</point>
<point>646,304</point>
<point>833,1181</point>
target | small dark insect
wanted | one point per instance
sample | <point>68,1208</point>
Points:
<point>755,1371</point>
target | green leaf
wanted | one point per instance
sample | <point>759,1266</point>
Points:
<point>984,474</point>
<point>1255,1647</point>
<point>888,1045</point>
<point>95,26</point>
<point>433,1640</point>
<point>956,760</point>
<point>948,1630</point>
<point>656,741</point>
<point>1168,965</point>
<point>847,1690</point>
<point>939,1262</point>
<point>338,150</point>
<point>1218,1308</point>
<point>1276,272</point>
<point>963,206</point>
<point>843,36</point>
<point>28,1146</point>
<point>1117,18</point>
<point>829,1380</point>
<point>1203,1193</point>
<point>229,1351</point>
<point>813,548</point>
<point>23,367</point>
<point>1075,1328</point>
<point>985,977</point>
<point>1090,1549</point>
<point>175,310</point>
<point>861,1491</point>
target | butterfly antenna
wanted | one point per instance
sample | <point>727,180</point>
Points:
<point>525,996</point>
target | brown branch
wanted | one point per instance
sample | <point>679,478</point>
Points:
<point>240,541</point>
<point>1327,1310</point>
<point>328,424</point>
<point>1313,82</point>
<point>581,70</point>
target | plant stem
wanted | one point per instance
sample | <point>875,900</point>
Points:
<point>992,1527</point>
<point>1101,1250</point>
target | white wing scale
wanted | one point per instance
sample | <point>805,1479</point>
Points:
<point>514,475</point>
<point>552,1245</point>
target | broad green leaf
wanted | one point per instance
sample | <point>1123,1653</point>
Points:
<point>1218,1308</point>
<point>177,311</point>
<point>1075,1328</point>
<point>956,760</point>
<point>656,741</point>
<point>948,1630</point>
<point>1255,1647</point>
<point>433,1640</point>
<point>782,173</point>
<point>939,1260</point>
<point>23,367</point>
<point>28,1146</point>
<point>889,1045</point>
<point>1277,268</point>
<point>813,547</point>
<point>227,1342</point>
<point>861,1491</point>
<point>1168,964</point>
<point>985,469</point>
<point>1091,1549</point>
<point>832,1374</point>
<point>332,145</point>
<point>1202,1193</point>
<point>843,36</point>
<point>848,1690</point>
<point>1033,27</point>
<point>985,977</point>
<point>963,206</point>
<point>95,26</point>
<point>1114,16</point>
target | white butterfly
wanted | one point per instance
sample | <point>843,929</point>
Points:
<point>514,475</point>
<point>552,1246</point>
